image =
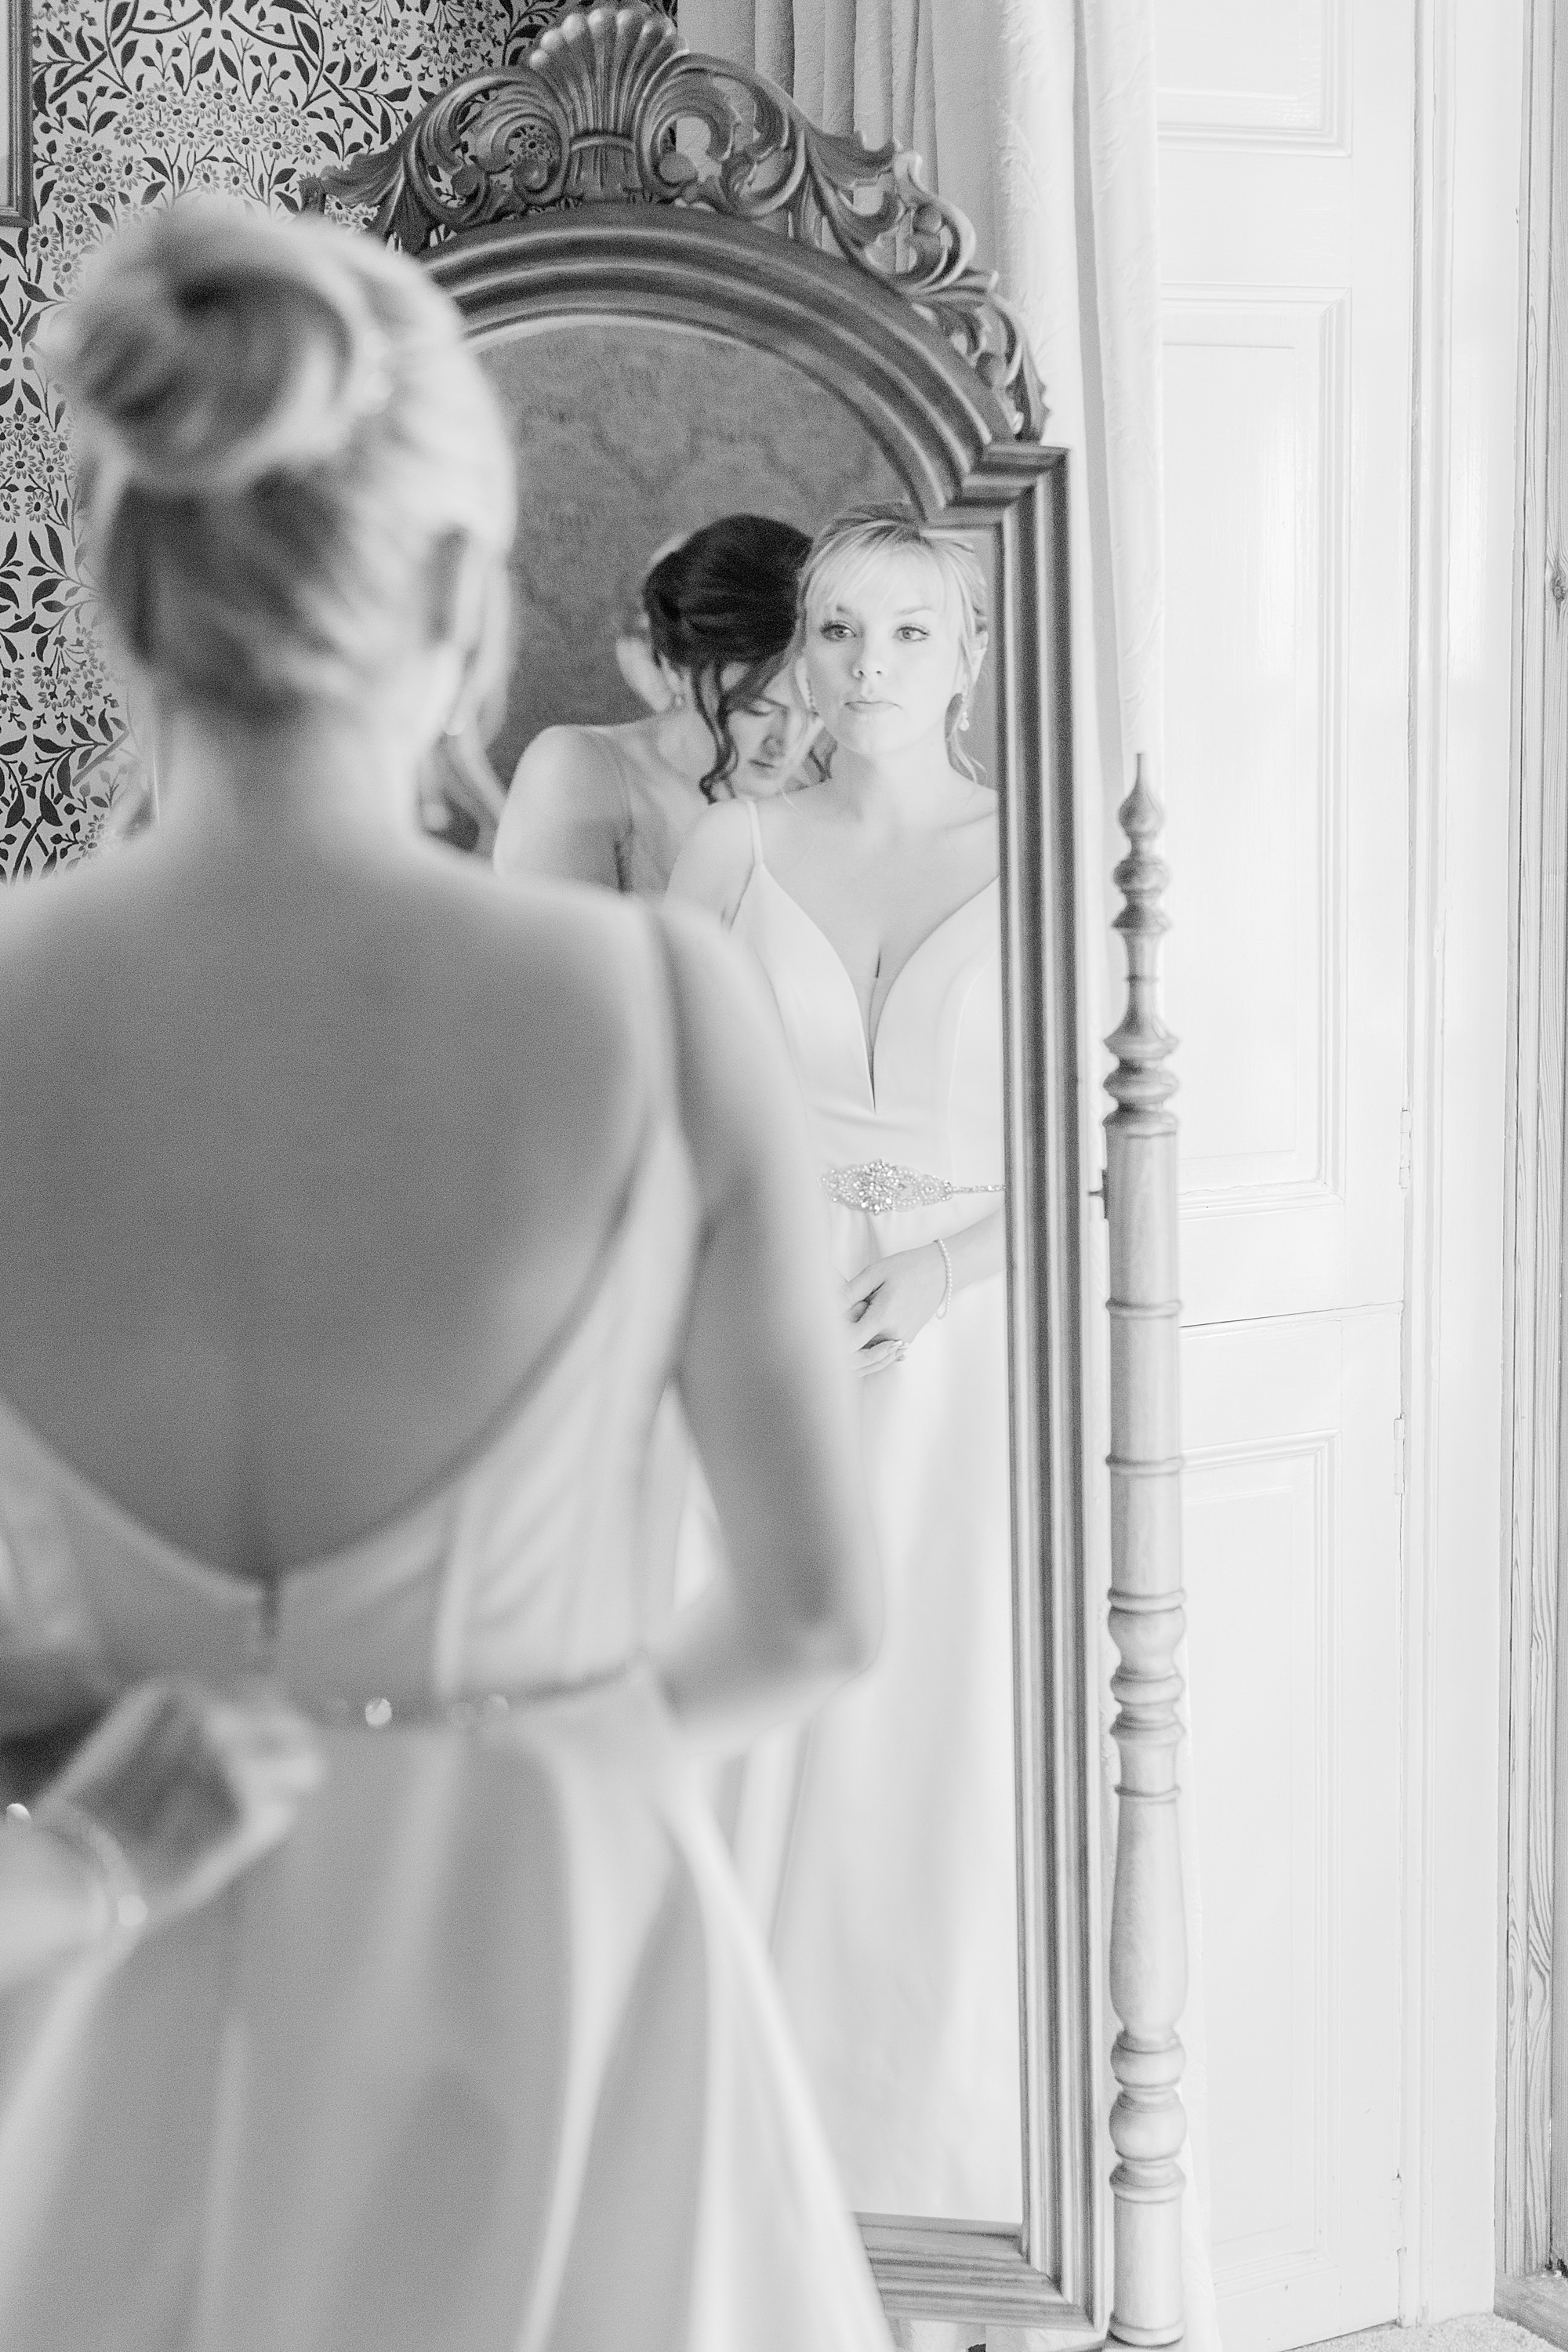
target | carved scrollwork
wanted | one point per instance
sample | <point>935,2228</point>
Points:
<point>608,106</point>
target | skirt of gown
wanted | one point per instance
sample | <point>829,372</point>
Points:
<point>896,1936</point>
<point>878,1851</point>
<point>485,2058</point>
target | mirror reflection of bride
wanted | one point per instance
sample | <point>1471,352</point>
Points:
<point>870,901</point>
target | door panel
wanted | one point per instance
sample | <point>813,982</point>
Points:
<point>1253,415</point>
<point>1286,227</point>
<point>1292,1530</point>
<point>1240,71</point>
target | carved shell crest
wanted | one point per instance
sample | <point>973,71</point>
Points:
<point>608,106</point>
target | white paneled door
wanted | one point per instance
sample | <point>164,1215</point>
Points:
<point>1287,207</point>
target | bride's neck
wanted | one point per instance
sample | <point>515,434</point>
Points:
<point>334,773</point>
<point>904,790</point>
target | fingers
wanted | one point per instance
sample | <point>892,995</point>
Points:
<point>194,1783</point>
<point>256,1760</point>
<point>143,1739</point>
<point>860,1289</point>
<point>260,1728</point>
<point>268,1750</point>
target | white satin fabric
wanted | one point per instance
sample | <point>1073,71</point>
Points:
<point>486,2057</point>
<point>889,1883</point>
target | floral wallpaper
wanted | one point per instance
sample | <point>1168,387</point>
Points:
<point>135,102</point>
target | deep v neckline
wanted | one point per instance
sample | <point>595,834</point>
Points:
<point>870,1039</point>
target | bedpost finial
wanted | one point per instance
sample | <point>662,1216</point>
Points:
<point>1139,1085</point>
<point>1148,1929</point>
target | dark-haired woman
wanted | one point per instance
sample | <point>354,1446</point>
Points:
<point>612,804</point>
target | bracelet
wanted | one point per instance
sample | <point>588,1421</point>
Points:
<point>947,1291</point>
<point>125,1905</point>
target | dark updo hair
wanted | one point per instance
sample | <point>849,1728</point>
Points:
<point>279,429</point>
<point>727,594</point>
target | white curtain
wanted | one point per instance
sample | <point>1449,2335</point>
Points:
<point>1037,117</point>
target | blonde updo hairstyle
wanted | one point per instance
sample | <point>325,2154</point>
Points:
<point>862,538</point>
<point>283,445</point>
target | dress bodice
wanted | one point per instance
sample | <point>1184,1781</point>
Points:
<point>520,1569</point>
<point>648,839</point>
<point>928,1095</point>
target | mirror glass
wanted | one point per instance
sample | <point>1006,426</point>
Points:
<point>878,1849</point>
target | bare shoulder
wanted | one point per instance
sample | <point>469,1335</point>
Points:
<point>716,859</point>
<point>56,931</point>
<point>565,756</point>
<point>564,808</point>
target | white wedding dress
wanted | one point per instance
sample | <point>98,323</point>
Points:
<point>881,1848</point>
<point>486,2057</point>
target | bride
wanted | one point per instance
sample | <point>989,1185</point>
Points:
<point>392,1200</point>
<point>870,903</point>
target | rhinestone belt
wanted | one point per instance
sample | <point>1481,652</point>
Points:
<point>876,1186</point>
<point>471,1713</point>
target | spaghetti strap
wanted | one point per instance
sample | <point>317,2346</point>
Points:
<point>625,830</point>
<point>602,737</point>
<point>757,822</point>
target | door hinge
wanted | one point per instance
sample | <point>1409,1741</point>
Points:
<point>1399,1456</point>
<point>1406,1149</point>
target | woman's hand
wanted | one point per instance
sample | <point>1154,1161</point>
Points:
<point>891,1302</point>
<point>193,1785</point>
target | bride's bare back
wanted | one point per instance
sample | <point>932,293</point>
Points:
<point>314,1138</point>
<point>315,1156</point>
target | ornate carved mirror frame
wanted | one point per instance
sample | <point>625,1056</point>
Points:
<point>603,173</point>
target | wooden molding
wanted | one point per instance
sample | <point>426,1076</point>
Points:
<point>1532,2217</point>
<point>1539,2304</point>
<point>17,205</point>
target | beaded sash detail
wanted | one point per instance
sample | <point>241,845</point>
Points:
<point>877,1186</point>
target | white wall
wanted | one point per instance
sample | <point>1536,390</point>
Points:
<point>1460,950</point>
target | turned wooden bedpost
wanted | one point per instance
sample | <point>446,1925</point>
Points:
<point>1148,1930</point>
